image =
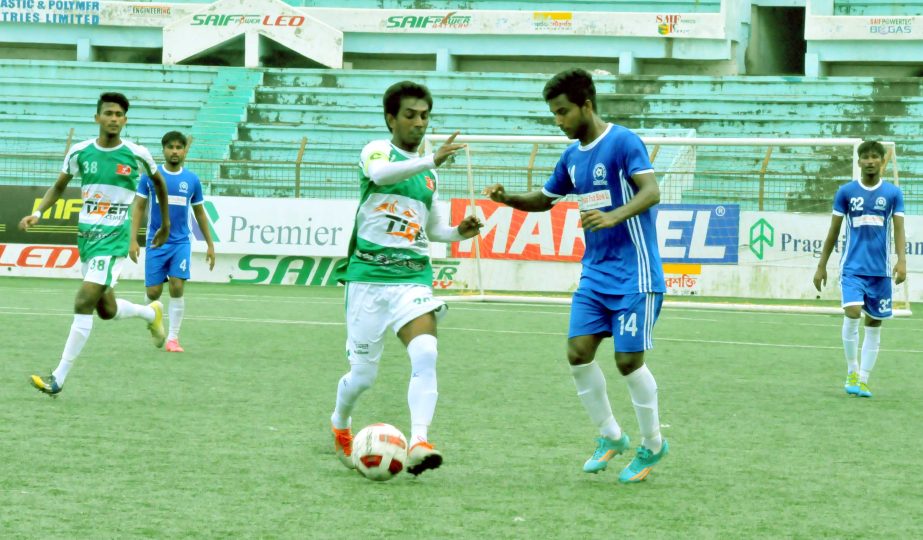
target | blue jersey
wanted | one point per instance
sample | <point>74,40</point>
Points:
<point>623,259</point>
<point>867,213</point>
<point>183,191</point>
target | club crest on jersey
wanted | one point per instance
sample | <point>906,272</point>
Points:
<point>881,203</point>
<point>599,175</point>
<point>430,184</point>
<point>183,187</point>
<point>122,169</point>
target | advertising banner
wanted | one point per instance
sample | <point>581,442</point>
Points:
<point>705,234</point>
<point>864,28</point>
<point>256,226</point>
<point>319,29</point>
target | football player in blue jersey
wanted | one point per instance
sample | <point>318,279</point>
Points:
<point>171,262</point>
<point>870,207</point>
<point>621,284</point>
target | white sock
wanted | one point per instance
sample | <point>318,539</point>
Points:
<point>869,351</point>
<point>851,343</point>
<point>177,307</point>
<point>591,389</point>
<point>422,392</point>
<point>127,310</point>
<point>643,390</point>
<point>359,379</point>
<point>80,332</point>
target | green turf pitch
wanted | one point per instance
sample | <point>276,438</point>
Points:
<point>231,439</point>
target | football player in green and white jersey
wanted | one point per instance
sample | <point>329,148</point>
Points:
<point>109,168</point>
<point>387,273</point>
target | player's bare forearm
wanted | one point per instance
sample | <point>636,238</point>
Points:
<point>835,223</point>
<point>160,187</point>
<point>900,240</point>
<point>648,195</point>
<point>54,192</point>
<point>138,213</point>
<point>533,201</point>
<point>51,196</point>
<point>200,217</point>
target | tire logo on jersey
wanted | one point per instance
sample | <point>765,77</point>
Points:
<point>183,187</point>
<point>401,223</point>
<point>122,169</point>
<point>880,203</point>
<point>599,175</point>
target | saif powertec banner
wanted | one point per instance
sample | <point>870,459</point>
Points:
<point>704,234</point>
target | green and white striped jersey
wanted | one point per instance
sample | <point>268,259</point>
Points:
<point>108,180</point>
<point>389,242</point>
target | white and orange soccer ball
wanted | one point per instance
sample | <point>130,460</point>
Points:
<point>379,452</point>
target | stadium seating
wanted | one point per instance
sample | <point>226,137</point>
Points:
<point>335,112</point>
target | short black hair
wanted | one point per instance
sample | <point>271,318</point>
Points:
<point>871,146</point>
<point>112,97</point>
<point>574,83</point>
<point>398,91</point>
<point>171,136</point>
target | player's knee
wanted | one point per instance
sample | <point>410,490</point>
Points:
<point>577,355</point>
<point>423,352</point>
<point>362,376</point>
<point>853,312</point>
<point>627,363</point>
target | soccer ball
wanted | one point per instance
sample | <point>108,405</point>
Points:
<point>379,452</point>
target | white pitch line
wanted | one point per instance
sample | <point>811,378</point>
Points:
<point>490,331</point>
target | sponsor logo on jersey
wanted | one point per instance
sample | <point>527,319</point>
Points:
<point>183,187</point>
<point>122,169</point>
<point>402,223</point>
<point>97,205</point>
<point>880,203</point>
<point>868,220</point>
<point>430,184</point>
<point>599,175</point>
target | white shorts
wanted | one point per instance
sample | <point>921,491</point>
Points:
<point>372,308</point>
<point>103,270</point>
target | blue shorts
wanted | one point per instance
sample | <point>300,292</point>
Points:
<point>169,260</point>
<point>873,293</point>
<point>628,318</point>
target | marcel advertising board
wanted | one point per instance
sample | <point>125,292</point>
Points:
<point>512,243</point>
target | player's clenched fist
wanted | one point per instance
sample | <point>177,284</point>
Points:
<point>496,193</point>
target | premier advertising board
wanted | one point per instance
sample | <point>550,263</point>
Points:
<point>278,241</point>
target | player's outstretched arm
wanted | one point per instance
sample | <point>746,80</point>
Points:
<point>384,172</point>
<point>138,213</point>
<point>160,187</point>
<point>439,230</point>
<point>900,267</point>
<point>533,201</point>
<point>648,195</point>
<point>820,276</point>
<point>51,197</point>
<point>199,211</point>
